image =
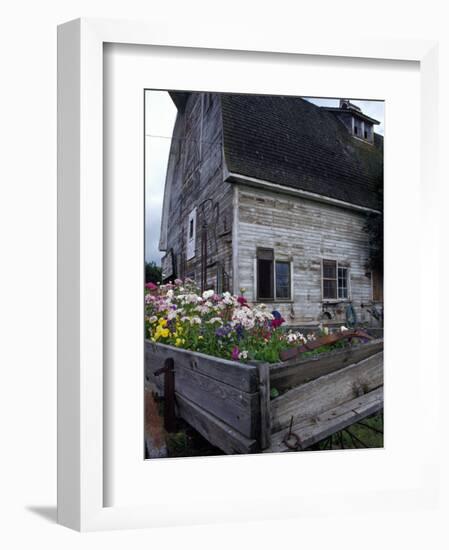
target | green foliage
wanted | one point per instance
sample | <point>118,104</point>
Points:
<point>177,443</point>
<point>274,392</point>
<point>153,273</point>
<point>374,228</point>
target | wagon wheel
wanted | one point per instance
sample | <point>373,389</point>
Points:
<point>365,434</point>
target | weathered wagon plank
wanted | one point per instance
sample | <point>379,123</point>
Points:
<point>265,409</point>
<point>331,421</point>
<point>325,392</point>
<point>293,373</point>
<point>239,409</point>
<point>238,375</point>
<point>214,430</point>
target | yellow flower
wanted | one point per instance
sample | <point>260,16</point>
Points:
<point>161,332</point>
<point>200,337</point>
<point>163,322</point>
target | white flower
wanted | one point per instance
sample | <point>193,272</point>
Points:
<point>326,330</point>
<point>291,337</point>
<point>208,294</point>
<point>215,320</point>
<point>172,314</point>
<point>343,328</point>
<point>243,355</point>
<point>195,321</point>
<point>153,319</point>
<point>170,294</point>
<point>228,299</point>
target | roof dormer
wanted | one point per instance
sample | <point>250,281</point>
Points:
<point>358,124</point>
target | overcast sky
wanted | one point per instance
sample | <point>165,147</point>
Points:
<point>160,114</point>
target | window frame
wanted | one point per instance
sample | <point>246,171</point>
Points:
<point>274,261</point>
<point>380,298</point>
<point>191,241</point>
<point>348,282</point>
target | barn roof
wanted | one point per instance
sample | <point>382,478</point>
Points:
<point>294,143</point>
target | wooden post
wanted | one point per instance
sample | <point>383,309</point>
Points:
<point>265,410</point>
<point>169,395</point>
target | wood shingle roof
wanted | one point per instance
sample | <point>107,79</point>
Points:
<point>294,143</point>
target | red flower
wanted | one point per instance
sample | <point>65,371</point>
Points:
<point>242,300</point>
<point>275,323</point>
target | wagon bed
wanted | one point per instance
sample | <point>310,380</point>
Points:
<point>229,402</point>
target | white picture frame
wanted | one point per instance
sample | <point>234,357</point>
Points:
<point>81,391</point>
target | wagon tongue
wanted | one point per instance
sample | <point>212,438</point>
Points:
<point>323,341</point>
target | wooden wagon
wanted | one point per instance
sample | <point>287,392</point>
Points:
<point>229,402</point>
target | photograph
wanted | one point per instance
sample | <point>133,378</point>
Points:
<point>263,300</point>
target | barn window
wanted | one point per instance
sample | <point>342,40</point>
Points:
<point>335,281</point>
<point>343,283</point>
<point>378,286</point>
<point>273,276</point>
<point>191,235</point>
<point>283,280</point>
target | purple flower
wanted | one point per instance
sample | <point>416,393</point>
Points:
<point>239,331</point>
<point>235,353</point>
<point>221,332</point>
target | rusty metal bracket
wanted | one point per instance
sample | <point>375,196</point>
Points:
<point>292,440</point>
<point>168,370</point>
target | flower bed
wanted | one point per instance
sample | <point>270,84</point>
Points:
<point>223,325</point>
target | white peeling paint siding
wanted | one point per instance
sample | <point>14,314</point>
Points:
<point>303,231</point>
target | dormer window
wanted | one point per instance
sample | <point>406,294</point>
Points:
<point>358,127</point>
<point>356,122</point>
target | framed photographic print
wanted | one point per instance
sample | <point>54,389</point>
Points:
<point>264,273</point>
<point>229,309</point>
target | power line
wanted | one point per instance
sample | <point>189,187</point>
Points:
<point>216,142</point>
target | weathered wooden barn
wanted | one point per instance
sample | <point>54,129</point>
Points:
<point>271,194</point>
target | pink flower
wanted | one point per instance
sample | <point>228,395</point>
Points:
<point>151,286</point>
<point>235,353</point>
